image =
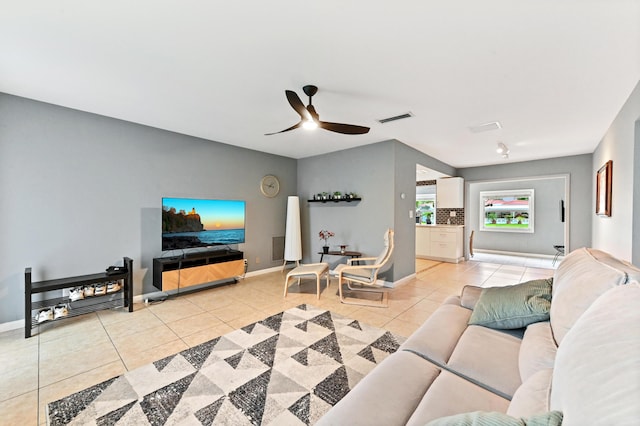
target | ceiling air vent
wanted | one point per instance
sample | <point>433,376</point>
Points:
<point>494,125</point>
<point>397,117</point>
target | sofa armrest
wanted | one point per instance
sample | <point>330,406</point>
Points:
<point>469,296</point>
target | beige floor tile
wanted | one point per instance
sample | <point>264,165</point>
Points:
<point>368,317</point>
<point>441,295</point>
<point>54,369</point>
<point>420,312</point>
<point>401,327</point>
<point>138,322</point>
<point>68,327</point>
<point>144,340</point>
<point>71,343</point>
<point>247,319</point>
<point>20,410</point>
<point>76,383</point>
<point>133,360</point>
<point>18,379</point>
<point>207,334</point>
<point>210,301</point>
<point>174,309</point>
<point>190,325</point>
<point>234,311</point>
<point>14,340</point>
<point>112,316</point>
<point>498,282</point>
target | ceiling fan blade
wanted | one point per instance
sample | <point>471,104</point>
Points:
<point>295,126</point>
<point>296,103</point>
<point>347,129</point>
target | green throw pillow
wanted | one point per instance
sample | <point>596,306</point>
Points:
<point>514,306</point>
<point>481,418</point>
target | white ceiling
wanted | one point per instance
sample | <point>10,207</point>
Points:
<point>553,73</point>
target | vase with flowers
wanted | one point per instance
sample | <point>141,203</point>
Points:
<point>325,235</point>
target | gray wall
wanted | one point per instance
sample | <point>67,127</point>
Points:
<point>367,171</point>
<point>548,227</point>
<point>380,173</point>
<point>579,206</point>
<point>615,234</point>
<point>79,191</point>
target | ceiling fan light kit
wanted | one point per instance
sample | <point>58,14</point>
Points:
<point>309,118</point>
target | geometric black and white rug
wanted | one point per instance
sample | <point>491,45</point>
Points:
<point>288,369</point>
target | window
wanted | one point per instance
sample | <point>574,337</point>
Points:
<point>507,211</point>
<point>426,208</point>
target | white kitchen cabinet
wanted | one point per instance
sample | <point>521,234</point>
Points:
<point>440,242</point>
<point>450,193</point>
<point>423,241</point>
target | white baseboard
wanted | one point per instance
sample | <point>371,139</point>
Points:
<point>13,325</point>
<point>514,253</point>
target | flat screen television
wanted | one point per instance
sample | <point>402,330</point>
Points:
<point>192,222</point>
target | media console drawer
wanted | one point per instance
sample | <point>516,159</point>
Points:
<point>198,268</point>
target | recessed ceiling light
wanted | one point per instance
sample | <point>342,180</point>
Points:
<point>486,127</point>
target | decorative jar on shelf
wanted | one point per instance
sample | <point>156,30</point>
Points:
<point>325,249</point>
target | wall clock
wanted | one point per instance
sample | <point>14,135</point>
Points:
<point>270,186</point>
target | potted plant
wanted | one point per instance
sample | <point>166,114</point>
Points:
<point>337,195</point>
<point>325,235</point>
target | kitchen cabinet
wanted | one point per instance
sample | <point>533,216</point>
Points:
<point>440,242</point>
<point>450,193</point>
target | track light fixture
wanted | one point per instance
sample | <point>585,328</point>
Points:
<point>503,150</point>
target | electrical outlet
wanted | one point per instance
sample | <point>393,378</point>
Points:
<point>246,262</point>
<point>452,213</point>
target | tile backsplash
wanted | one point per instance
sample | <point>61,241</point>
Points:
<point>443,214</point>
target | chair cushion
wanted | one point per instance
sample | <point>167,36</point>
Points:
<point>596,377</point>
<point>514,306</point>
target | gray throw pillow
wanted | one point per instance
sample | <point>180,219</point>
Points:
<point>514,306</point>
<point>481,418</point>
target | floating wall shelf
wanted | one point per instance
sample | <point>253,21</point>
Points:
<point>336,200</point>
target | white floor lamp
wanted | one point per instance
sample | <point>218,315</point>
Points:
<point>292,237</point>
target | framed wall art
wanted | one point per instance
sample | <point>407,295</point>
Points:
<point>603,189</point>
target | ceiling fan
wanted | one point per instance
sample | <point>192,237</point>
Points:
<point>310,119</point>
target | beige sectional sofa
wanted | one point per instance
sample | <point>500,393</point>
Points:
<point>583,362</point>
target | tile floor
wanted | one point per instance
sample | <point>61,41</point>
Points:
<point>71,355</point>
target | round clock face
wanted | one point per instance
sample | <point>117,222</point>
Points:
<point>270,186</point>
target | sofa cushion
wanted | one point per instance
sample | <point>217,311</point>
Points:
<point>581,278</point>
<point>537,350</point>
<point>488,357</point>
<point>482,418</point>
<point>597,368</point>
<point>514,306</point>
<point>438,336</point>
<point>469,296</point>
<point>388,395</point>
<point>450,394</point>
<point>532,396</point>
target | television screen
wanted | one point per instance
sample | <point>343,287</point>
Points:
<point>190,222</point>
